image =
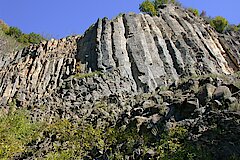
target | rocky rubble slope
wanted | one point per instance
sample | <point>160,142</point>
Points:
<point>195,119</point>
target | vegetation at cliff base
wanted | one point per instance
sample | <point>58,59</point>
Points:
<point>16,132</point>
<point>76,140</point>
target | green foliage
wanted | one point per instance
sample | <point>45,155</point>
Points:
<point>194,11</point>
<point>148,7</point>
<point>170,145</point>
<point>10,43</point>
<point>173,145</point>
<point>23,39</point>
<point>75,140</point>
<point>4,27</point>
<point>34,38</point>
<point>233,27</point>
<point>17,34</point>
<point>151,7</point>
<point>16,132</point>
<point>219,23</point>
<point>86,75</point>
<point>14,32</point>
<point>79,139</point>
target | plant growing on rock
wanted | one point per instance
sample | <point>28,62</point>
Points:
<point>86,75</point>
<point>21,37</point>
<point>151,7</point>
<point>219,23</point>
<point>194,11</point>
<point>148,7</point>
<point>4,27</point>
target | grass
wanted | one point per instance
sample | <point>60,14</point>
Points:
<point>86,75</point>
<point>9,44</point>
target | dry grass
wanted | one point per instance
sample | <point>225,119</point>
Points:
<point>8,44</point>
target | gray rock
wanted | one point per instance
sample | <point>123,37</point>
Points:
<point>205,93</point>
<point>187,109</point>
<point>222,93</point>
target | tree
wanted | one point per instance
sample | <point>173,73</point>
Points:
<point>194,11</point>
<point>148,7</point>
<point>35,38</point>
<point>14,32</point>
<point>219,23</point>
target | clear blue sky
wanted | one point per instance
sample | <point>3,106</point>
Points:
<point>60,18</point>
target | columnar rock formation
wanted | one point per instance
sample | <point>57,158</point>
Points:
<point>135,53</point>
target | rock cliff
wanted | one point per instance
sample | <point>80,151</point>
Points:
<point>141,53</point>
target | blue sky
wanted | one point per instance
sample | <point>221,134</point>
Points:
<point>59,18</point>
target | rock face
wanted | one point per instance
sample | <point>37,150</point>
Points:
<point>37,70</point>
<point>135,52</point>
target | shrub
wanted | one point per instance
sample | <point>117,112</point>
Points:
<point>17,34</point>
<point>23,39</point>
<point>14,32</point>
<point>173,145</point>
<point>232,28</point>
<point>34,38</point>
<point>4,27</point>
<point>151,7</point>
<point>148,7</point>
<point>219,23</point>
<point>194,11</point>
<point>16,132</point>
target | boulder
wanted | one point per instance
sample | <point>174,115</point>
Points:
<point>222,93</point>
<point>205,93</point>
<point>186,109</point>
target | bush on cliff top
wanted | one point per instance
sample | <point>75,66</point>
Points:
<point>194,11</point>
<point>21,37</point>
<point>148,7</point>
<point>219,23</point>
<point>151,7</point>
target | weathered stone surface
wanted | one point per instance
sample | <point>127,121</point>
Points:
<point>222,93</point>
<point>134,52</point>
<point>205,93</point>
